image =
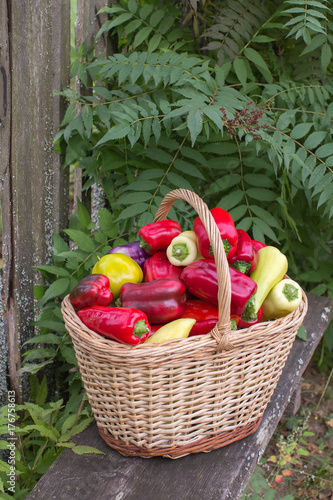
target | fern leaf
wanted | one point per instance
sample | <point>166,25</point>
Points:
<point>308,21</point>
<point>145,28</point>
<point>236,23</point>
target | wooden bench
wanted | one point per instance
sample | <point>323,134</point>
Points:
<point>220,474</point>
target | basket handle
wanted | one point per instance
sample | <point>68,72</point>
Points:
<point>222,329</point>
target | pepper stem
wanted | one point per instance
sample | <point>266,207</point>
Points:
<point>143,244</point>
<point>242,266</point>
<point>140,328</point>
<point>290,292</point>
<point>249,313</point>
<point>226,246</point>
<point>180,251</point>
<point>233,324</point>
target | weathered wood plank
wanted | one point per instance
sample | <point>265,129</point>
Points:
<point>219,475</point>
<point>84,32</point>
<point>88,23</point>
<point>34,192</point>
<point>61,55</point>
<point>5,108</point>
<point>295,401</point>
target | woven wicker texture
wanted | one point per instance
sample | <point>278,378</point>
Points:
<point>188,395</point>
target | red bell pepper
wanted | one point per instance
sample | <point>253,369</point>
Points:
<point>205,313</point>
<point>158,235</point>
<point>124,325</point>
<point>202,327</point>
<point>242,323</point>
<point>92,290</point>
<point>200,310</point>
<point>243,290</point>
<point>158,267</point>
<point>205,326</point>
<point>161,300</point>
<point>257,245</point>
<point>227,230</point>
<point>200,279</point>
<point>246,257</point>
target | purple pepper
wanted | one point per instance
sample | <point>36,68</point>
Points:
<point>134,251</point>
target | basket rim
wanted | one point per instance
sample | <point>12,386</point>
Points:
<point>103,345</point>
<point>221,336</point>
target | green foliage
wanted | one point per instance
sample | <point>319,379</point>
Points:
<point>232,100</point>
<point>278,469</point>
<point>310,17</point>
<point>236,23</point>
<point>150,26</point>
<point>295,461</point>
<point>162,115</point>
<point>41,432</point>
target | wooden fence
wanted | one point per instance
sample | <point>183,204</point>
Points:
<point>34,62</point>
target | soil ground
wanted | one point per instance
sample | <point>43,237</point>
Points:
<point>304,470</point>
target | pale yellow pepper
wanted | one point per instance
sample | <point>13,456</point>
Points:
<point>183,249</point>
<point>271,268</point>
<point>283,298</point>
<point>177,329</point>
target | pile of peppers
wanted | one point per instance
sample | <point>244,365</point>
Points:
<point>164,285</point>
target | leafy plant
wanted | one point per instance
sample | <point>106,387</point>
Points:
<point>236,24</point>
<point>43,430</point>
<point>310,18</point>
<point>160,117</point>
<point>251,134</point>
<point>276,472</point>
<point>232,100</point>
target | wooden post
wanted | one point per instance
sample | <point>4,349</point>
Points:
<point>88,22</point>
<point>104,43</point>
<point>84,31</point>
<point>61,78</point>
<point>34,41</point>
<point>5,105</point>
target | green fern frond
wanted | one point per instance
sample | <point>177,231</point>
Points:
<point>151,92</point>
<point>146,27</point>
<point>308,18</point>
<point>235,25</point>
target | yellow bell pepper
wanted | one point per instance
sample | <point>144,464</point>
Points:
<point>120,269</point>
<point>177,329</point>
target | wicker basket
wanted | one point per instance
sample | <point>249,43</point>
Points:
<point>188,395</point>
